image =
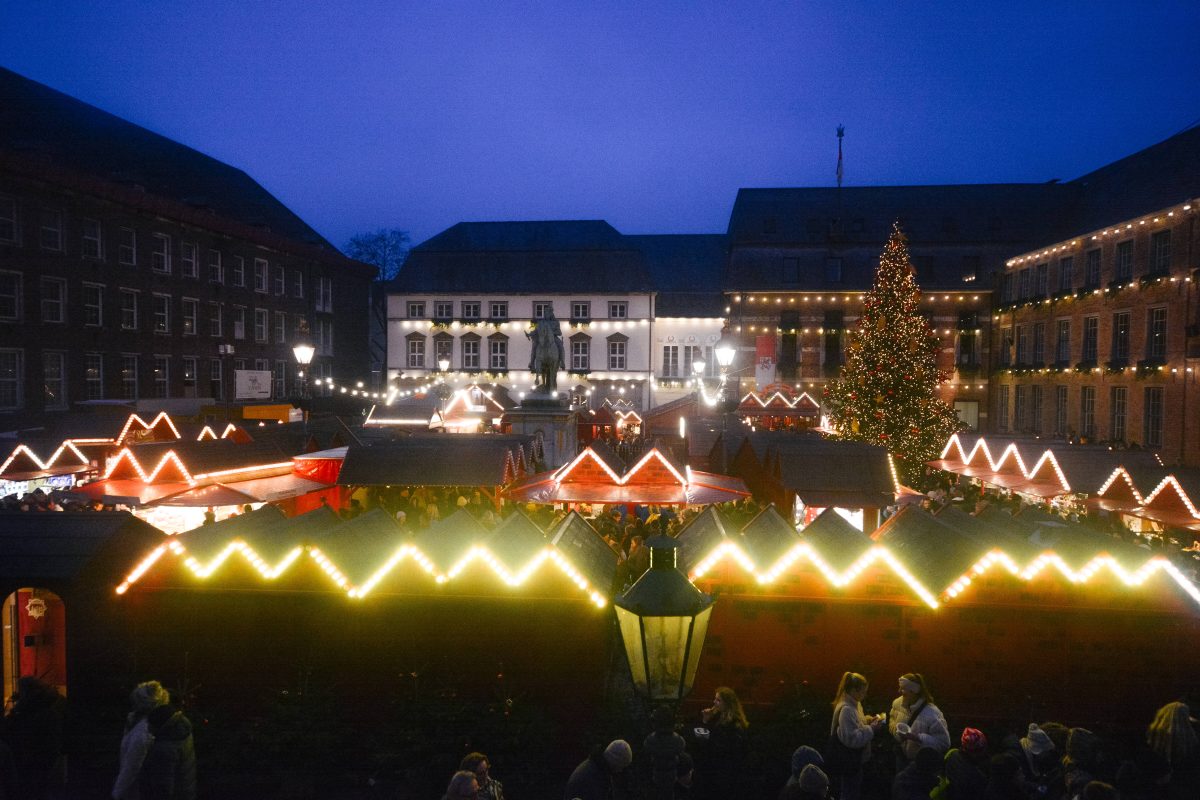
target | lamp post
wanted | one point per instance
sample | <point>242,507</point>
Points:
<point>725,353</point>
<point>225,350</point>
<point>663,620</point>
<point>443,389</point>
<point>304,351</point>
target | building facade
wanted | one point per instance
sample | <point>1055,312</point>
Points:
<point>133,268</point>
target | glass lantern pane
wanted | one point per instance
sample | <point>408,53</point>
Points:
<point>666,638</point>
<point>699,630</point>
<point>631,635</point>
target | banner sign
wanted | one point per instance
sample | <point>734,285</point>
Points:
<point>764,361</point>
<point>252,384</point>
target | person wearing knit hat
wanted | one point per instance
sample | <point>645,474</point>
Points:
<point>813,781</point>
<point>137,739</point>
<point>618,754</point>
<point>966,767</point>
<point>1040,760</point>
<point>804,756</point>
<point>600,774</point>
<point>973,740</point>
<point>1036,741</point>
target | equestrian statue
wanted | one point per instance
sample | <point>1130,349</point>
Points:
<point>546,352</point>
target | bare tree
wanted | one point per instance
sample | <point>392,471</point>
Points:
<point>387,249</point>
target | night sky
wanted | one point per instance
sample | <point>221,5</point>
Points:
<point>420,114</point>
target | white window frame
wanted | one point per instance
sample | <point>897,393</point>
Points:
<point>97,308</point>
<point>617,354</point>
<point>618,309</point>
<point>162,376</point>
<point>96,251</point>
<point>189,258</point>
<point>216,326</point>
<point>128,324</point>
<point>239,271</point>
<point>471,309</point>
<point>54,310</point>
<point>416,309</point>
<point>191,313</point>
<point>127,250</point>
<point>262,324</point>
<point>497,309</point>
<point>414,349</point>
<point>498,354</point>
<point>581,354</point>
<point>160,256</point>
<point>540,307</point>
<point>325,294</point>
<point>470,353</point>
<point>443,309</point>
<point>581,309</point>
<point>280,327</point>
<point>190,366</point>
<point>12,290</point>
<point>60,391</point>
<point>280,280</point>
<point>216,266</point>
<point>55,231</point>
<point>93,386</point>
<point>261,277</point>
<point>129,385</point>
<point>298,284</point>
<point>12,387</point>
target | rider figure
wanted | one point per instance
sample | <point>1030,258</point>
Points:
<point>546,342</point>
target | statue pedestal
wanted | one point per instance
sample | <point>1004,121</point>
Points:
<point>551,417</point>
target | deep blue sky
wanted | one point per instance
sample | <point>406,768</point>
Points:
<point>420,114</point>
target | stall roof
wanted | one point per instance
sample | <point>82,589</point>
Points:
<point>700,537</point>
<point>436,460</point>
<point>53,547</point>
<point>768,537</point>
<point>934,552</point>
<point>516,541</point>
<point>836,540</point>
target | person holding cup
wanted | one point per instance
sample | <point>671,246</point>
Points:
<point>915,722</point>
<point>850,735</point>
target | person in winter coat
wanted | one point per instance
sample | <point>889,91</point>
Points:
<point>915,721</point>
<point>1040,761</point>
<point>801,758</point>
<point>917,780</point>
<point>135,744</point>
<point>169,769</point>
<point>489,787</point>
<point>33,730</point>
<point>663,747</point>
<point>601,776</point>
<point>720,757</point>
<point>967,767</point>
<point>1173,743</point>
<point>854,731</point>
<point>1004,779</point>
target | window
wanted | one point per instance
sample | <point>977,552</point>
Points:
<point>325,337</point>
<point>189,376</point>
<point>581,310</point>
<point>1060,410</point>
<point>497,310</point>
<point>261,321</point>
<point>162,313</point>
<point>129,310</point>
<point>280,281</point>
<point>833,271</point>
<point>416,309</point>
<point>92,245</point>
<point>1120,338</point>
<point>239,322</point>
<point>1066,274</point>
<point>832,336</point>
<point>10,296</point>
<point>1006,347</point>
<point>297,284</point>
<point>188,259</point>
<point>498,353</point>
<point>54,379</point>
<point>581,352</point>
<point>670,365</point>
<point>160,255</point>
<point>216,269</point>
<point>50,234</point>
<point>214,320</point>
<point>127,247</point>
<point>239,365</point>
<point>1116,413</point>
<point>1041,280</point>
<point>93,376</point>
<point>281,327</point>
<point>1025,284</point>
<point>618,310</point>
<point>279,379</point>
<point>1123,268</point>
<point>470,309</point>
<point>616,352</point>
<point>1160,252</point>
<point>1091,269</point>
<point>239,271</point>
<point>543,309</point>
<point>1021,409</point>
<point>1062,342</point>
<point>693,353</point>
<point>470,352</point>
<point>1022,345</point>
<point>1035,409</point>
<point>129,376</point>
<point>1008,288</point>
<point>1002,408</point>
<point>191,311</point>
<point>1152,411</point>
<point>216,387</point>
<point>443,310</point>
<point>1087,411</point>
<point>443,349</point>
<point>93,304</point>
<point>8,219</point>
<point>1039,343</point>
<point>162,376</point>
<point>416,352</point>
<point>12,377</point>
<point>1091,332</point>
<point>260,275</point>
<point>54,300</point>
<point>325,294</point>
<point>1156,333</point>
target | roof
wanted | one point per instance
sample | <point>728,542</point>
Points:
<point>551,256</point>
<point>699,537</point>
<point>836,540</point>
<point>768,537</point>
<point>935,552</point>
<point>61,546</point>
<point>51,131</point>
<point>688,271</point>
<point>435,460</point>
<point>828,471</point>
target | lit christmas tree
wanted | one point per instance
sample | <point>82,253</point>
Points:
<point>887,391</point>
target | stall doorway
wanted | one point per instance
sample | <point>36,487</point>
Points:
<point>35,638</point>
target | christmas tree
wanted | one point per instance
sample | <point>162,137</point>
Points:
<point>887,391</point>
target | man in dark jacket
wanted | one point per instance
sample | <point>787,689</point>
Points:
<point>33,729</point>
<point>169,771</point>
<point>601,775</point>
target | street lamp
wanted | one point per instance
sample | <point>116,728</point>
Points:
<point>442,390</point>
<point>663,619</point>
<point>304,352</point>
<point>725,353</point>
<point>225,350</point>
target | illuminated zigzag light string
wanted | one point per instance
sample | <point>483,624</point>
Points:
<point>67,446</point>
<point>1009,451</point>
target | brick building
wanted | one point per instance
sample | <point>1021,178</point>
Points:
<point>1096,326</point>
<point>131,264</point>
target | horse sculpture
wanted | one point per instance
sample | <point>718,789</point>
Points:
<point>546,353</point>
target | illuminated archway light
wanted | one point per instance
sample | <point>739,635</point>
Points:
<point>66,447</point>
<point>148,477</point>
<point>1172,482</point>
<point>771,398</point>
<point>618,480</point>
<point>208,433</point>
<point>146,426</point>
<point>804,550</point>
<point>1120,472</point>
<point>1010,451</point>
<point>1083,575</point>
